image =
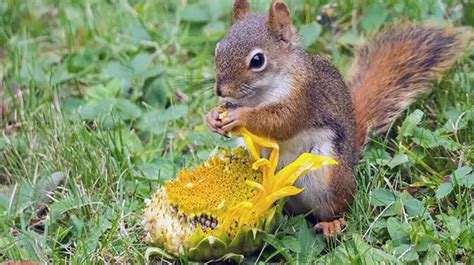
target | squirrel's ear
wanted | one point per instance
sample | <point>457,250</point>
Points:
<point>279,20</point>
<point>241,9</point>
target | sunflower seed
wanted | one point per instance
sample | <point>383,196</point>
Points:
<point>173,209</point>
<point>213,224</point>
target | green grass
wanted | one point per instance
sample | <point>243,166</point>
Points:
<point>102,101</point>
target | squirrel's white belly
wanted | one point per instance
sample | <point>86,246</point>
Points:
<point>314,195</point>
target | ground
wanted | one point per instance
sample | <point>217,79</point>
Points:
<point>102,101</point>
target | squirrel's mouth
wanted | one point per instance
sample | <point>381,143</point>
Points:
<point>245,98</point>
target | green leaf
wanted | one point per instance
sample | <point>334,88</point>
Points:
<point>214,28</point>
<point>69,203</point>
<point>382,197</point>
<point>349,38</point>
<point>469,13</point>
<point>133,143</point>
<point>453,225</point>
<point>278,246</point>
<point>137,33</point>
<point>374,16</point>
<point>309,34</point>
<point>195,13</point>
<point>174,112</point>
<point>141,62</point>
<point>462,171</point>
<point>406,253</point>
<point>291,243</point>
<point>101,92</point>
<point>311,243</point>
<point>411,122</point>
<point>392,210</point>
<point>151,72</point>
<point>79,61</point>
<point>236,258</point>
<point>117,70</point>
<point>463,176</point>
<point>396,231</point>
<point>429,139</point>
<point>208,248</point>
<point>59,75</point>
<point>121,108</point>
<point>446,142</point>
<point>357,251</point>
<point>218,9</point>
<point>423,243</point>
<point>4,201</point>
<point>159,168</point>
<point>457,120</point>
<point>91,111</point>
<point>378,156</point>
<point>414,207</point>
<point>2,143</point>
<point>399,159</point>
<point>127,110</point>
<point>444,190</point>
<point>154,251</point>
<point>151,122</point>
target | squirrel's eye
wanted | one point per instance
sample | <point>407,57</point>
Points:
<point>257,63</point>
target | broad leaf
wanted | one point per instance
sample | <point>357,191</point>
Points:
<point>382,197</point>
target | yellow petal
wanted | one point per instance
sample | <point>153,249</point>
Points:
<point>284,192</point>
<point>267,171</point>
<point>262,162</point>
<point>263,204</point>
<point>254,153</point>
<point>302,165</point>
<point>255,184</point>
<point>237,211</point>
<point>254,144</point>
<point>241,206</point>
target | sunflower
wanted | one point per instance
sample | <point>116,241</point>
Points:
<point>222,208</point>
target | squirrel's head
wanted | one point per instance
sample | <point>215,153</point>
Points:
<point>252,57</point>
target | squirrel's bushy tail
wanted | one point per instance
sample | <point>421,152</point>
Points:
<point>393,67</point>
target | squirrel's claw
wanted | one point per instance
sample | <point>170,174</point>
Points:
<point>232,120</point>
<point>330,229</point>
<point>214,122</point>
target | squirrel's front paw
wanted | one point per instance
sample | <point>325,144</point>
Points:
<point>235,118</point>
<point>213,121</point>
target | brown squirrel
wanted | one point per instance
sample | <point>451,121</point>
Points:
<point>303,102</point>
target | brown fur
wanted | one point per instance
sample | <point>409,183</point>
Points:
<point>279,20</point>
<point>241,9</point>
<point>395,66</point>
<point>309,103</point>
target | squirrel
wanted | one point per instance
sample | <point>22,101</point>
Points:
<point>279,91</point>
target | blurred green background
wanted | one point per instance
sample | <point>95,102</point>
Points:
<point>102,101</point>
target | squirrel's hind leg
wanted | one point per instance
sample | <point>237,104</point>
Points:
<point>330,229</point>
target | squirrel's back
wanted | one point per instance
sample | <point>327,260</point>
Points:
<point>395,66</point>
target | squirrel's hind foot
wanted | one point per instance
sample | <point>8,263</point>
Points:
<point>330,229</point>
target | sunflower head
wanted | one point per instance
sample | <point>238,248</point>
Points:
<point>199,199</point>
<point>226,204</point>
